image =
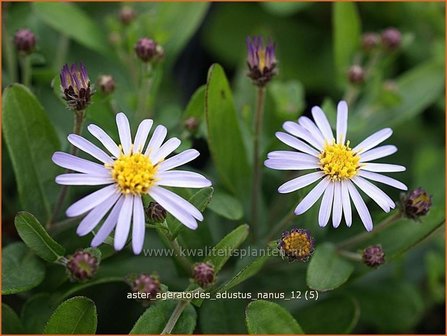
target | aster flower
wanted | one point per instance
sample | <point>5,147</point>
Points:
<point>339,168</point>
<point>130,171</point>
<point>261,60</point>
<point>75,86</point>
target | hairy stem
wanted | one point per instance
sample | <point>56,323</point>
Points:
<point>181,305</point>
<point>143,93</point>
<point>25,64</point>
<point>257,180</point>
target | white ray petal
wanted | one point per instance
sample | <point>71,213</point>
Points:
<point>296,143</point>
<point>141,136</point>
<point>289,155</point>
<point>377,195</point>
<point>180,178</point>
<point>346,203</point>
<point>157,139</point>
<point>326,205</point>
<point>373,140</point>
<point>323,124</point>
<point>360,205</point>
<point>178,160</point>
<point>123,225</point>
<point>90,201</point>
<point>342,122</point>
<point>167,148</point>
<point>382,167</point>
<point>310,126</point>
<point>83,179</point>
<point>337,208</point>
<point>382,179</point>
<point>138,225</point>
<point>109,224</point>
<point>124,132</point>
<point>312,197</point>
<point>105,139</point>
<point>77,164</point>
<point>89,148</point>
<point>302,133</point>
<point>377,153</point>
<point>300,182</point>
<point>283,164</point>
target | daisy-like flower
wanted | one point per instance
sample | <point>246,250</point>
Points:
<point>130,171</point>
<point>339,168</point>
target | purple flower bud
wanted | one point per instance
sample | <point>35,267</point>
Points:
<point>356,74</point>
<point>25,41</point>
<point>148,284</point>
<point>261,60</point>
<point>106,84</point>
<point>203,274</point>
<point>155,212</point>
<point>75,86</point>
<point>370,41</point>
<point>296,244</point>
<point>81,266</point>
<point>391,38</point>
<point>373,256</point>
<point>416,203</point>
<point>148,50</point>
<point>191,124</point>
<point>127,15</point>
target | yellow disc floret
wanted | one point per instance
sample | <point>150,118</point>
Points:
<point>339,162</point>
<point>134,173</point>
<point>296,244</point>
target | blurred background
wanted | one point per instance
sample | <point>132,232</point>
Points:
<point>402,87</point>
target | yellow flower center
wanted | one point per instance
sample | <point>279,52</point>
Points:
<point>261,56</point>
<point>339,162</point>
<point>134,173</point>
<point>297,244</point>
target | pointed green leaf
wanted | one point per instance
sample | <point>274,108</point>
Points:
<point>226,205</point>
<point>220,253</point>
<point>37,239</point>
<point>21,270</point>
<point>154,319</point>
<point>31,141</point>
<point>76,315</point>
<point>224,134</point>
<point>264,317</point>
<point>327,270</point>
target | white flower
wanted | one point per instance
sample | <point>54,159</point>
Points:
<point>131,171</point>
<point>339,168</point>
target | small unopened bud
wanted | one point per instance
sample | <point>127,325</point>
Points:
<point>203,274</point>
<point>155,212</point>
<point>416,203</point>
<point>106,84</point>
<point>356,74</point>
<point>81,266</point>
<point>261,60</point>
<point>391,38</point>
<point>373,256</point>
<point>148,50</point>
<point>296,244</point>
<point>75,87</point>
<point>147,284</point>
<point>25,41</point>
<point>127,15</point>
<point>191,124</point>
<point>370,41</point>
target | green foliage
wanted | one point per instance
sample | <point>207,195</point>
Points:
<point>226,206</point>
<point>37,239</point>
<point>74,316</point>
<point>265,317</point>
<point>155,318</point>
<point>11,323</point>
<point>21,270</point>
<point>30,152</point>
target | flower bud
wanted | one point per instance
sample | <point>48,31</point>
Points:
<point>261,60</point>
<point>191,124</point>
<point>25,41</point>
<point>106,84</point>
<point>145,283</point>
<point>155,212</point>
<point>203,274</point>
<point>391,38</point>
<point>81,266</point>
<point>356,74</point>
<point>373,256</point>
<point>148,50</point>
<point>127,15</point>
<point>297,244</point>
<point>75,87</point>
<point>370,41</point>
<point>416,203</point>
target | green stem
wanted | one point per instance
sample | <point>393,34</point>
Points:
<point>182,260</point>
<point>367,235</point>
<point>257,178</point>
<point>77,127</point>
<point>10,56</point>
<point>25,64</point>
<point>350,255</point>
<point>143,93</point>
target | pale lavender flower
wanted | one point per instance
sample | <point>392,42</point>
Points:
<point>339,168</point>
<point>130,171</point>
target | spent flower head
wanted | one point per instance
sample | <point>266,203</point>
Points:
<point>106,84</point>
<point>261,60</point>
<point>391,38</point>
<point>203,274</point>
<point>296,244</point>
<point>25,41</point>
<point>145,283</point>
<point>373,256</point>
<point>81,266</point>
<point>155,213</point>
<point>75,86</point>
<point>339,168</point>
<point>416,203</point>
<point>356,74</point>
<point>370,41</point>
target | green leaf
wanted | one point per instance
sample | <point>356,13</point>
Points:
<point>345,313</point>
<point>37,239</point>
<point>226,205</point>
<point>264,317</point>
<point>224,134</point>
<point>326,269</point>
<point>196,105</point>
<point>21,270</point>
<point>31,141</point>
<point>36,312</point>
<point>284,8</point>
<point>77,315</point>
<point>247,272</point>
<point>70,20</point>
<point>346,27</point>
<point>288,98</point>
<point>154,319</point>
<point>11,323</point>
<point>222,317</point>
<point>220,253</point>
